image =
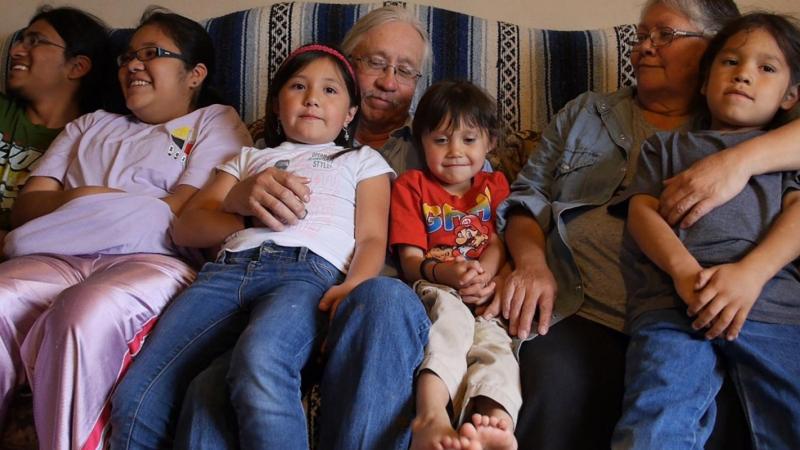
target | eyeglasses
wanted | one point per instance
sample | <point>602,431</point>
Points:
<point>145,54</point>
<point>30,40</point>
<point>375,65</point>
<point>661,37</point>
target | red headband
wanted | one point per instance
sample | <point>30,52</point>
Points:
<point>325,49</point>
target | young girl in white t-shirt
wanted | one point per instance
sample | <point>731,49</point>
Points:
<point>269,290</point>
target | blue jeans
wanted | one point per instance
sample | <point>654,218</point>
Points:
<point>263,303</point>
<point>673,374</point>
<point>374,346</point>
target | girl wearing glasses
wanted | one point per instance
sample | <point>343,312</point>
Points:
<point>271,292</point>
<point>55,63</point>
<point>93,262</point>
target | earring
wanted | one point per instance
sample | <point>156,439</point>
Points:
<point>346,133</point>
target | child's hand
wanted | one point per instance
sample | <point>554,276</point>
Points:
<point>495,307</point>
<point>457,273</point>
<point>479,291</point>
<point>686,286</point>
<point>725,295</point>
<point>330,301</point>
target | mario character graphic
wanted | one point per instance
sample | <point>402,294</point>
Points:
<point>471,236</point>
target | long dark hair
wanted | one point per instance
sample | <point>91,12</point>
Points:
<point>295,62</point>
<point>786,32</point>
<point>458,102</point>
<point>195,45</point>
<point>84,35</point>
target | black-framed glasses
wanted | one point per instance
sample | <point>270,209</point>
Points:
<point>662,36</point>
<point>145,54</point>
<point>376,65</point>
<point>30,40</point>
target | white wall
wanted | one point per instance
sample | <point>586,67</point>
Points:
<point>557,14</point>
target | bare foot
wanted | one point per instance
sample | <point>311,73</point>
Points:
<point>435,433</point>
<point>492,433</point>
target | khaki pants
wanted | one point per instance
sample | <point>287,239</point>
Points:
<point>473,356</point>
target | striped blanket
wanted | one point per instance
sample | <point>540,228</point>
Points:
<point>531,72</point>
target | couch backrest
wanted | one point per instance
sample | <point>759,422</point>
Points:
<point>531,72</point>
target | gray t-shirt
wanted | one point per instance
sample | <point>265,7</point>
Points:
<point>725,235</point>
<point>596,243</point>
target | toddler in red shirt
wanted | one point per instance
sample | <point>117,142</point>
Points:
<point>442,228</point>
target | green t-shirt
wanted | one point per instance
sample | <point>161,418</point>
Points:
<point>21,144</point>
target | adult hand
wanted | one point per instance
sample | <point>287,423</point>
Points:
<point>525,291</point>
<point>706,184</point>
<point>273,196</point>
<point>726,293</point>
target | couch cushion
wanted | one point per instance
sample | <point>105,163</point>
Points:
<point>531,72</point>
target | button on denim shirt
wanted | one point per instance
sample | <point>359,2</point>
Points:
<point>580,161</point>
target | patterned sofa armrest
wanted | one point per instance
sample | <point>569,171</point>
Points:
<point>513,152</point>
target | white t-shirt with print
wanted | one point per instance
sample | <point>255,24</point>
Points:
<point>329,228</point>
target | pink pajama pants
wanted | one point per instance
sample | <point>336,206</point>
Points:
<point>69,326</point>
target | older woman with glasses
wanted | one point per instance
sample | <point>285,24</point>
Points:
<point>42,99</point>
<point>568,285</point>
<point>92,261</point>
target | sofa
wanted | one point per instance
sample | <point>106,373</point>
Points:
<point>531,72</point>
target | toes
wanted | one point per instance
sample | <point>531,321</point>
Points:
<point>468,430</point>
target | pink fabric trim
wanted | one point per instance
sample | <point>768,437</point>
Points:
<point>100,427</point>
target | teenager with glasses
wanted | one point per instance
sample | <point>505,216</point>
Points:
<point>92,261</point>
<point>54,59</point>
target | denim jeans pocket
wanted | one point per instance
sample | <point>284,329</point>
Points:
<point>327,272</point>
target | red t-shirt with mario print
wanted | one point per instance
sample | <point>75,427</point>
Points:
<point>445,226</point>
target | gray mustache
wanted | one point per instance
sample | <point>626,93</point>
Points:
<point>373,94</point>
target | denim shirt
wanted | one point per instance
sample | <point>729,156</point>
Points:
<point>581,160</point>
